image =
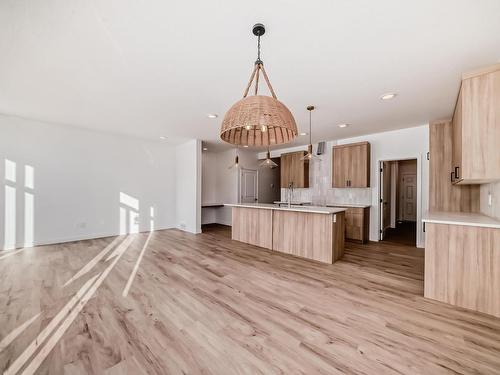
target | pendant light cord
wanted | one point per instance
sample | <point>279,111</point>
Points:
<point>259,66</point>
<point>259,61</point>
<point>310,132</point>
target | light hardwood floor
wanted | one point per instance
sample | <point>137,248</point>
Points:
<point>204,304</point>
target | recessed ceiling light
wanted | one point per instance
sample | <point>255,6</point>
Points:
<point>388,96</point>
<point>212,115</point>
<point>205,149</point>
<point>343,125</point>
<point>162,137</point>
<point>303,134</point>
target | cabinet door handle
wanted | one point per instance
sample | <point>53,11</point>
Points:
<point>456,172</point>
<point>451,176</point>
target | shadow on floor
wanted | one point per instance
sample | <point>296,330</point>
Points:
<point>405,233</point>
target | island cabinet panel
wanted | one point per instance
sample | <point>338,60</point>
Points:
<point>357,224</point>
<point>351,165</point>
<point>253,226</point>
<point>462,266</point>
<point>309,235</point>
<point>294,170</point>
<point>476,129</point>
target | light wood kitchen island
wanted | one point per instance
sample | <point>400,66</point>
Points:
<point>310,232</point>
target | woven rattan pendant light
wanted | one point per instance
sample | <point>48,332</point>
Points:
<point>258,120</point>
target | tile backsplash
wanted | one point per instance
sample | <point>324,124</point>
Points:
<point>493,189</point>
<point>320,191</point>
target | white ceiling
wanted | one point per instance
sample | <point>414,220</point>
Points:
<point>152,68</point>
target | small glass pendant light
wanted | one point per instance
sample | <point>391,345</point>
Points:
<point>268,162</point>
<point>236,164</point>
<point>310,155</point>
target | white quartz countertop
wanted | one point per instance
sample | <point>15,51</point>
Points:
<point>212,204</point>
<point>353,205</point>
<point>270,206</point>
<point>297,203</point>
<point>461,218</point>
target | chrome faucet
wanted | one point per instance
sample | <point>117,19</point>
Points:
<point>290,194</point>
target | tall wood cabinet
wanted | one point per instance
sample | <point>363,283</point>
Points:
<point>443,194</point>
<point>294,170</point>
<point>476,128</point>
<point>351,165</point>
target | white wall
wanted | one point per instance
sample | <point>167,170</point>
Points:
<point>269,185</point>
<point>209,177</point>
<point>227,185</point>
<point>221,184</point>
<point>188,186</point>
<point>78,178</point>
<point>208,186</point>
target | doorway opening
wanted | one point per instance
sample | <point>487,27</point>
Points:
<point>269,183</point>
<point>398,201</point>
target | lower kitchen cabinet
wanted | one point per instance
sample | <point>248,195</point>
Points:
<point>462,266</point>
<point>357,223</point>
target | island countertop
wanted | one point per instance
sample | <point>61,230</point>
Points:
<point>270,206</point>
<point>348,205</point>
<point>461,218</point>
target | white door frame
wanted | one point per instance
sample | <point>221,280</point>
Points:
<point>419,237</point>
<point>380,200</point>
<point>257,182</point>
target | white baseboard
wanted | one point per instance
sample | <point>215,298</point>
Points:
<point>60,240</point>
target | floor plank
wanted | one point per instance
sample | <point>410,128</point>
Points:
<point>204,304</point>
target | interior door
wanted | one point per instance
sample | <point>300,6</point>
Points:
<point>409,197</point>
<point>248,186</point>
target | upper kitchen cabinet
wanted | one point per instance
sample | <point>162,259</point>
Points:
<point>294,170</point>
<point>476,128</point>
<point>351,165</point>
